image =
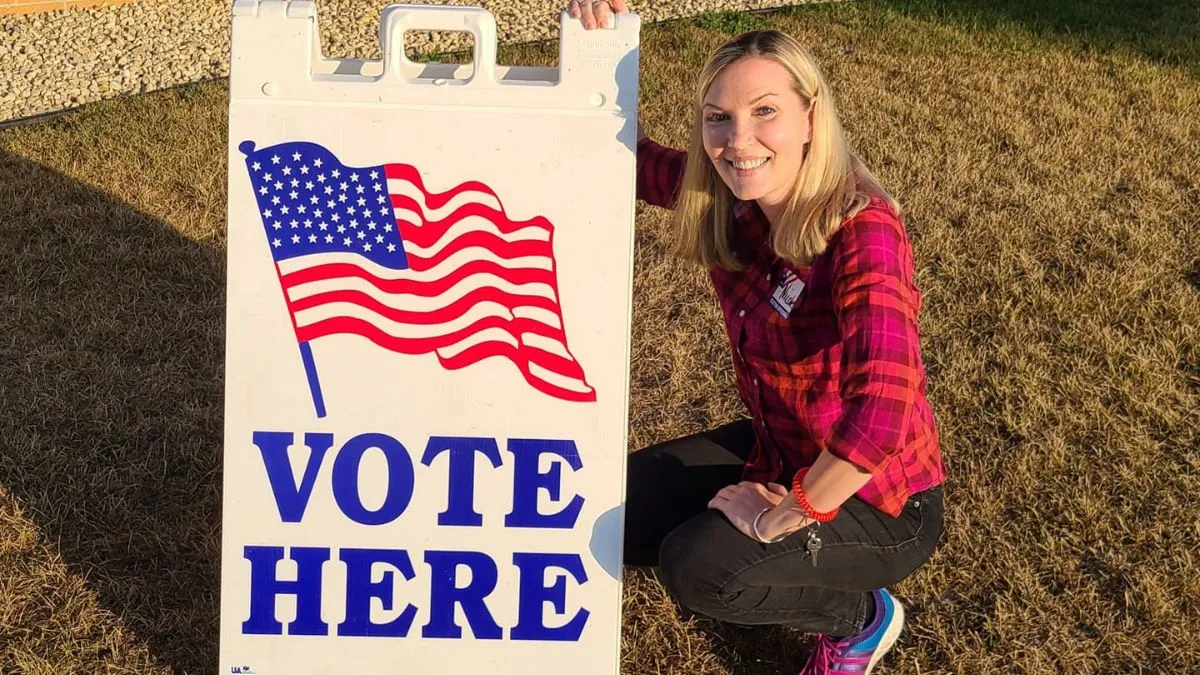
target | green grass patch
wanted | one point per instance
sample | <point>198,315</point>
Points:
<point>732,23</point>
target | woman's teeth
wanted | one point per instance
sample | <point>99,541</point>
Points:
<point>750,164</point>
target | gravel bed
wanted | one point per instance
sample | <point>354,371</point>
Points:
<point>57,60</point>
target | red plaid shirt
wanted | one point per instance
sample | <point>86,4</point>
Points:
<point>839,367</point>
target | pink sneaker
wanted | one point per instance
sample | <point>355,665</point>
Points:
<point>859,653</point>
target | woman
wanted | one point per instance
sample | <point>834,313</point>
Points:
<point>804,514</point>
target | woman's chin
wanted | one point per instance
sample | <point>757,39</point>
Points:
<point>745,192</point>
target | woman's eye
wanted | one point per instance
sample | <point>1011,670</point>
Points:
<point>717,117</point>
<point>765,110</point>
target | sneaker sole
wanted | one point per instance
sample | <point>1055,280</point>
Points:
<point>888,639</point>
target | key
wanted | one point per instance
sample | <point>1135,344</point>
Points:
<point>813,545</point>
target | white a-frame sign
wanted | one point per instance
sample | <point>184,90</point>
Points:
<point>427,370</point>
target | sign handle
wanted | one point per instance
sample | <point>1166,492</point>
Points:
<point>398,19</point>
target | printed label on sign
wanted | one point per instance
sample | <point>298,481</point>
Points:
<point>786,293</point>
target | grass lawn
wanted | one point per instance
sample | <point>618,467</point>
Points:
<point>1049,164</point>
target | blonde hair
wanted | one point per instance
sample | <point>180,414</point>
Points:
<point>833,184</point>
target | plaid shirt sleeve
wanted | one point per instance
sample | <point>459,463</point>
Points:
<point>875,306</point>
<point>659,173</point>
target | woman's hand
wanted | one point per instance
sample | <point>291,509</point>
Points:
<point>596,13</point>
<point>741,503</point>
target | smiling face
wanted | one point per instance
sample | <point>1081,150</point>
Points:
<point>755,127</point>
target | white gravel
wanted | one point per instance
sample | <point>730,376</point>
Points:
<point>57,60</point>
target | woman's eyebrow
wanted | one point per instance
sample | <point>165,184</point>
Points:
<point>756,100</point>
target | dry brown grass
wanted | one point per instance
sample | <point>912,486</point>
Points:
<point>1053,197</point>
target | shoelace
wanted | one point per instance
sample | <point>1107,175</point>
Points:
<point>825,652</point>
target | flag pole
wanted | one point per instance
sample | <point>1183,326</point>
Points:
<point>314,384</point>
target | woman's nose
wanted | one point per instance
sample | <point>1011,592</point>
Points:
<point>740,135</point>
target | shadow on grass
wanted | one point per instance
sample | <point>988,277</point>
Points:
<point>111,352</point>
<point>757,650</point>
<point>1163,31</point>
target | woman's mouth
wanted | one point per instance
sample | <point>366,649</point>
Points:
<point>747,167</point>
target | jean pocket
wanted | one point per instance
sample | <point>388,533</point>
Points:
<point>926,510</point>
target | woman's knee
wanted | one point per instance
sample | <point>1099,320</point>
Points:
<point>693,571</point>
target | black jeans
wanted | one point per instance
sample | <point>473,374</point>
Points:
<point>711,568</point>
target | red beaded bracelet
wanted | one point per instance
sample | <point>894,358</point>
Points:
<point>798,493</point>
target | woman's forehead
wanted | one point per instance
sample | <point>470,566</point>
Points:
<point>749,79</point>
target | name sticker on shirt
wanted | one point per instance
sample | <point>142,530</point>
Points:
<point>786,293</point>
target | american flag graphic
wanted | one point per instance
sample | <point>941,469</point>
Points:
<point>369,251</point>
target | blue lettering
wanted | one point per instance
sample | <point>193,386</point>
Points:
<point>399,474</point>
<point>461,507</point>
<point>290,498</point>
<point>445,594</point>
<point>534,595</point>
<point>265,585</point>
<point>360,589</point>
<point>527,481</point>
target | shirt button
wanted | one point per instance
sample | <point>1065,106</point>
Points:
<point>742,312</point>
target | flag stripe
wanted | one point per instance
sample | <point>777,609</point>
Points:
<point>428,232</point>
<point>288,266</point>
<point>485,335</point>
<point>568,369</point>
<point>462,227</point>
<point>433,200</point>
<point>538,314</point>
<point>419,287</point>
<point>416,345</point>
<point>419,261</point>
<point>424,211</point>
<point>545,344</point>
<point>542,379</point>
<point>520,356</point>
<point>448,326</point>
<point>538,371</point>
<point>566,366</point>
<point>425,317</point>
<point>422,304</point>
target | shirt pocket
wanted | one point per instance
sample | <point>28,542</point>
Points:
<point>820,406</point>
<point>809,372</point>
